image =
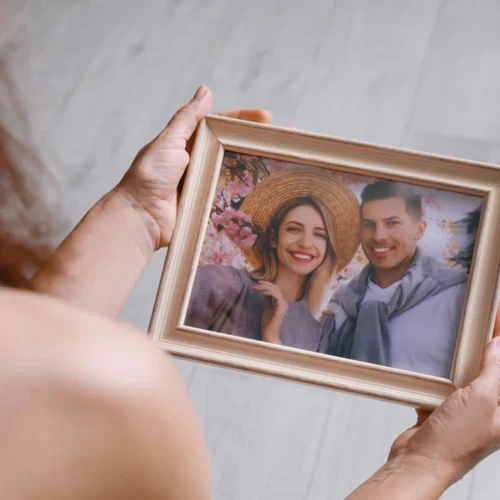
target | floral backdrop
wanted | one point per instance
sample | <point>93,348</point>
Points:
<point>229,229</point>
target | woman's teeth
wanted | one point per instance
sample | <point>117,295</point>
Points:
<point>302,257</point>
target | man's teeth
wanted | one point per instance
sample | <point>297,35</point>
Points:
<point>381,250</point>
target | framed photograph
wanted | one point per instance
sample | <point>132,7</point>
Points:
<point>352,266</point>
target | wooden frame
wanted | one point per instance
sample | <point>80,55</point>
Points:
<point>217,135</point>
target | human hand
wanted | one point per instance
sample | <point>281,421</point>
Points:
<point>330,309</point>
<point>278,304</point>
<point>151,183</point>
<point>274,311</point>
<point>464,430</point>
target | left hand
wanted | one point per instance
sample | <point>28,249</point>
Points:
<point>151,183</point>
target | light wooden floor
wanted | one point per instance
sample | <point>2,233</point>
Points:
<point>100,78</point>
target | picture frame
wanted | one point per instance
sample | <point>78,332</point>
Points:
<point>217,136</point>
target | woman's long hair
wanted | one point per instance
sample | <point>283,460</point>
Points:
<point>316,283</point>
<point>26,223</point>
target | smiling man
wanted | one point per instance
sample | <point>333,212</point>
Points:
<point>404,309</point>
<point>391,226</point>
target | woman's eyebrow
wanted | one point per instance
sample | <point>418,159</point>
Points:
<point>317,228</point>
<point>295,222</point>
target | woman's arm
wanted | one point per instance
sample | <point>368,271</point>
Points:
<point>274,312</point>
<point>214,293</point>
<point>99,263</point>
<point>411,478</point>
<point>271,329</point>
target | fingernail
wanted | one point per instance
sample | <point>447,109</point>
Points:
<point>201,92</point>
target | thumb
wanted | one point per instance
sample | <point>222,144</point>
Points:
<point>496,329</point>
<point>183,124</point>
<point>490,370</point>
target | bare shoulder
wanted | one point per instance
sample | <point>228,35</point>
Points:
<point>34,323</point>
<point>49,332</point>
<point>95,404</point>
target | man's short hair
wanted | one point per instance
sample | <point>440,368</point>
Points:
<point>382,190</point>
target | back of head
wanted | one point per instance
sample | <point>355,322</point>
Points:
<point>25,220</point>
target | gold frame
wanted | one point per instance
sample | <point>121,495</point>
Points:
<point>217,134</point>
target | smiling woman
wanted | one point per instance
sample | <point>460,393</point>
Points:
<point>306,225</point>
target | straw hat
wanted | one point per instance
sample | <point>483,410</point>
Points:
<point>274,191</point>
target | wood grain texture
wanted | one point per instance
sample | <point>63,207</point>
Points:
<point>264,434</point>
<point>457,93</point>
<point>99,79</point>
<point>368,69</point>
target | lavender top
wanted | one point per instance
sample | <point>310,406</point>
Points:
<point>223,301</point>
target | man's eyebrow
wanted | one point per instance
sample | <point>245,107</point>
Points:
<point>391,217</point>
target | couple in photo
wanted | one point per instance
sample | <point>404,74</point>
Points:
<point>402,310</point>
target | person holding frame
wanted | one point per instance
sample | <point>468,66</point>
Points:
<point>94,410</point>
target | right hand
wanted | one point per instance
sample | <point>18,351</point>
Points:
<point>279,304</point>
<point>465,429</point>
<point>330,309</point>
<point>274,311</point>
<point>151,183</point>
